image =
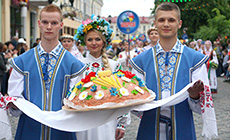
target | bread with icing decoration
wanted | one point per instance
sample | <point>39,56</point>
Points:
<point>107,90</point>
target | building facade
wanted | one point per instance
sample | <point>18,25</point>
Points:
<point>19,17</point>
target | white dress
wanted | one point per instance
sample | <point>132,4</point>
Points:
<point>212,73</point>
<point>106,131</point>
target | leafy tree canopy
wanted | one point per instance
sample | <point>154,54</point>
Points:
<point>204,19</point>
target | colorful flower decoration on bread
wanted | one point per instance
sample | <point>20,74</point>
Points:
<point>99,95</point>
<point>113,91</point>
<point>128,74</point>
<point>95,23</point>
<point>124,92</point>
<point>88,77</point>
<point>83,95</point>
<point>93,88</point>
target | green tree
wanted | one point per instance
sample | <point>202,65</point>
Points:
<point>196,14</point>
<point>218,25</point>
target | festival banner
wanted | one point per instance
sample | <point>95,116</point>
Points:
<point>128,22</point>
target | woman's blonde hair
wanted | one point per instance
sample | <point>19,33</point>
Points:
<point>105,59</point>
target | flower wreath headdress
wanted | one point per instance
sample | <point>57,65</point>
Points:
<point>99,24</point>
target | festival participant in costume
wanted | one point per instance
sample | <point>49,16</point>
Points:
<point>167,68</point>
<point>96,35</point>
<point>68,42</point>
<point>212,65</point>
<point>192,44</point>
<point>43,76</point>
<point>139,46</point>
<point>114,51</point>
<point>125,55</point>
<point>198,45</point>
<point>153,36</point>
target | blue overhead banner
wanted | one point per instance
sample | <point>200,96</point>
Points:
<point>128,22</point>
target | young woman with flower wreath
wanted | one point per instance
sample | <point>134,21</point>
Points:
<point>212,65</point>
<point>96,34</point>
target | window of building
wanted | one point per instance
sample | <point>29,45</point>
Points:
<point>68,30</point>
<point>32,28</point>
<point>15,21</point>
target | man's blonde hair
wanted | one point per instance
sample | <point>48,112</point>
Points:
<point>52,8</point>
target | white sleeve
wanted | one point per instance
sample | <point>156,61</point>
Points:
<point>16,84</point>
<point>199,74</point>
<point>15,89</point>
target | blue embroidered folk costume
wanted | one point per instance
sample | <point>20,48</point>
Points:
<point>46,83</point>
<point>181,61</point>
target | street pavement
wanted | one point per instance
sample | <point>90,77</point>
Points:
<point>222,110</point>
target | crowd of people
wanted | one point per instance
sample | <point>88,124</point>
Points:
<point>162,59</point>
<point>219,54</point>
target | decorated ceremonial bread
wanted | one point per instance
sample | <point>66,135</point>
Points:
<point>105,90</point>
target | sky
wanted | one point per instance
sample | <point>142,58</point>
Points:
<point>116,7</point>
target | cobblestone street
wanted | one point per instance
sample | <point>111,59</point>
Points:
<point>222,109</point>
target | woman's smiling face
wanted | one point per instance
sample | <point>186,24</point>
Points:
<point>94,43</point>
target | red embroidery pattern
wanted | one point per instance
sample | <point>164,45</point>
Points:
<point>95,65</point>
<point>206,98</point>
<point>5,100</point>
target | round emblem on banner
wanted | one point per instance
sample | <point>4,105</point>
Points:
<point>128,22</point>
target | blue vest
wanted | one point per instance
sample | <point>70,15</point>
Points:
<point>29,65</point>
<point>181,115</point>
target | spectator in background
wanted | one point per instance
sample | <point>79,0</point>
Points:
<point>114,51</point>
<point>10,53</point>
<point>153,36</point>
<point>21,46</point>
<point>225,65</point>
<point>212,65</point>
<point>125,55</point>
<point>14,41</point>
<point>121,46</point>
<point>218,49</point>
<point>146,43</point>
<point>84,52</point>
<point>68,42</point>
<point>192,44</point>
<point>198,45</point>
<point>2,63</point>
<point>139,46</point>
<point>36,42</point>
